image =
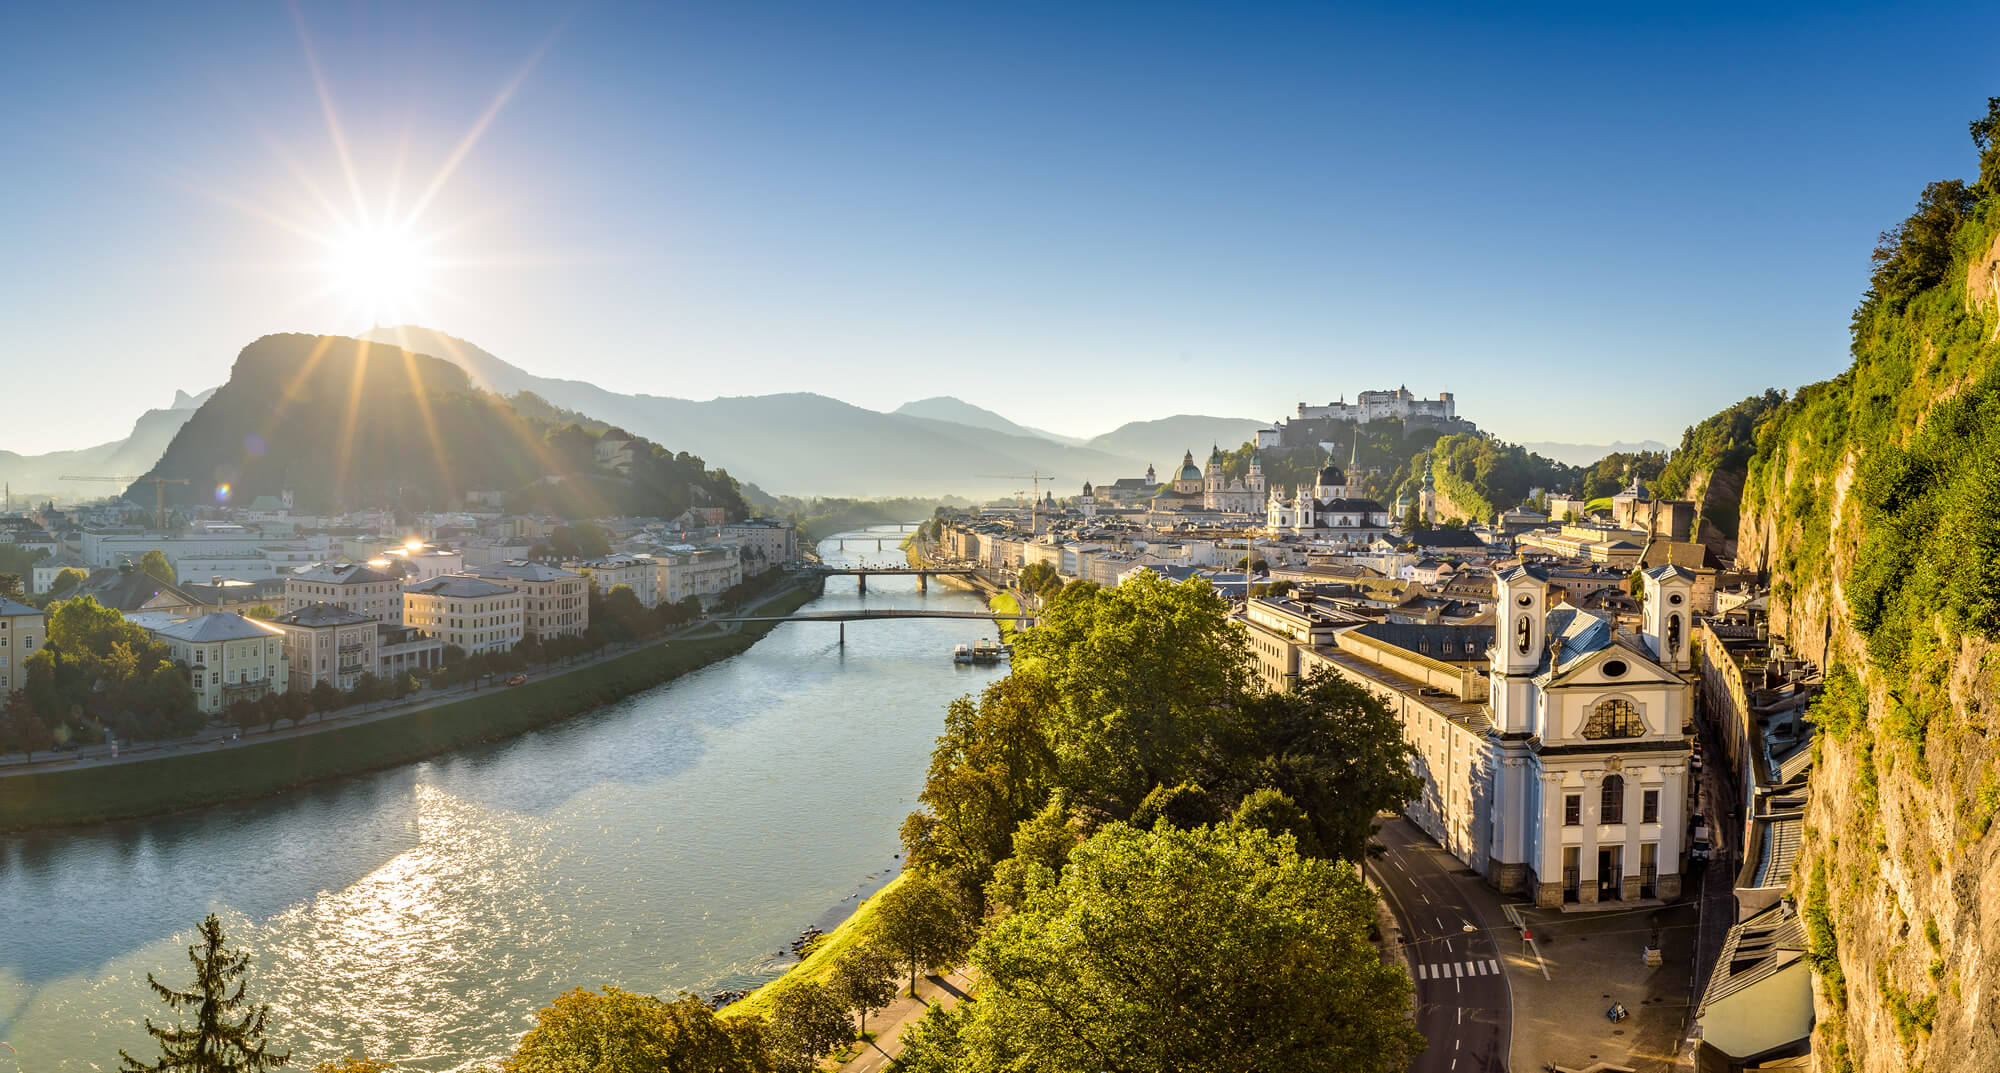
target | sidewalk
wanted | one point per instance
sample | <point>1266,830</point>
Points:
<point>1578,964</point>
<point>888,1024</point>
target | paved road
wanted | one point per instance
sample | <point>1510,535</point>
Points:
<point>1464,1006</point>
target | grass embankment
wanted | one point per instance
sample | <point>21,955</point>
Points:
<point>852,932</point>
<point>1005,603</point>
<point>191,780</point>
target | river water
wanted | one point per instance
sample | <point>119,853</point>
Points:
<point>679,839</point>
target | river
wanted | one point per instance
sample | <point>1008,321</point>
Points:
<point>679,839</point>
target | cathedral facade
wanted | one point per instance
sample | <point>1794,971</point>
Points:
<point>1244,495</point>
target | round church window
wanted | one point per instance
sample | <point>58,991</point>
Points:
<point>1614,668</point>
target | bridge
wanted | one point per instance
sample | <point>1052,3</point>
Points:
<point>858,615</point>
<point>923,574</point>
<point>901,528</point>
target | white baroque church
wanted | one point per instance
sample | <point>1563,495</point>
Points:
<point>1327,511</point>
<point>1244,495</point>
<point>1588,752</point>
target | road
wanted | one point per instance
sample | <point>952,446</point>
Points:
<point>1464,1006</point>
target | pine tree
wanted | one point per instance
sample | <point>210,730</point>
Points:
<point>218,1042</point>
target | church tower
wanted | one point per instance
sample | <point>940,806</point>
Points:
<point>1256,481</point>
<point>1427,497</point>
<point>1150,479</point>
<point>1520,623</point>
<point>1669,617</point>
<point>1088,501</point>
<point>1332,483</point>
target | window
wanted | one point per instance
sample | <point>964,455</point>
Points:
<point>1572,810</point>
<point>1649,810</point>
<point>1614,718</point>
<point>1611,807</point>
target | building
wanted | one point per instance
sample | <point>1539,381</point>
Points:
<point>328,643</point>
<point>1759,1001</point>
<point>42,576</point>
<point>1244,495</point>
<point>130,590</point>
<point>422,562</point>
<point>636,572</point>
<point>472,613</point>
<point>1326,512</point>
<point>111,547</point>
<point>228,657</point>
<point>21,629</point>
<point>686,570</point>
<point>555,601</point>
<point>762,542</point>
<point>1277,628</point>
<point>1185,493</point>
<point>1590,749</point>
<point>371,589</point>
<point>1381,405</point>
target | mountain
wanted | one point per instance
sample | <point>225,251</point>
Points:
<point>1585,454</point>
<point>342,424</point>
<point>40,476</point>
<point>805,444</point>
<point>1871,499</point>
<point>1161,442</point>
<point>947,408</point>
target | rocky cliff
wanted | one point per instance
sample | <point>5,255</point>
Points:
<point>1874,502</point>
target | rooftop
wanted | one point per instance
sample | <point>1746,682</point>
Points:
<point>460,586</point>
<point>220,626</point>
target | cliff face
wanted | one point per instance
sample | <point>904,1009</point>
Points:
<point>1874,502</point>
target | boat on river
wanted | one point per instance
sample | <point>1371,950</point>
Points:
<point>962,654</point>
<point>986,650</point>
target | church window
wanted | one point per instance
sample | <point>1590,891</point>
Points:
<point>1522,639</point>
<point>1649,807</point>
<point>1614,718</point>
<point>1611,809</point>
<point>1673,634</point>
<point>1572,810</point>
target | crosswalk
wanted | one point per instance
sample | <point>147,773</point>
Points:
<point>1447,970</point>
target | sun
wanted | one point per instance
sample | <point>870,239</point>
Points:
<point>382,271</point>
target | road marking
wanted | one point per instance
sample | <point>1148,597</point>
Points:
<point>1457,969</point>
<point>1495,964</point>
<point>1423,972</point>
<point>1461,1015</point>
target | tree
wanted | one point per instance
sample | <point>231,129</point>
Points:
<point>918,921</point>
<point>155,562</point>
<point>1042,846</point>
<point>863,980</point>
<point>1143,673</point>
<point>10,588</point>
<point>1185,806</point>
<point>616,1031</point>
<point>1334,750</point>
<point>219,1041</point>
<point>1172,948</point>
<point>262,611</point>
<point>1041,579</point>
<point>367,688</point>
<point>807,1021</point>
<point>68,579</point>
<point>1270,810</point>
<point>1413,520</point>
<point>359,1063</point>
<point>324,697</point>
<point>25,730</point>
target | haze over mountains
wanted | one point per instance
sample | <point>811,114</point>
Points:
<point>133,455</point>
<point>806,444</point>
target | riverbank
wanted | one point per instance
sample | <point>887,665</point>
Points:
<point>852,932</point>
<point>175,782</point>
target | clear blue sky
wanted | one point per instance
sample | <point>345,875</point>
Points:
<point>1590,222</point>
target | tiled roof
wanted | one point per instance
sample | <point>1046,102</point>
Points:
<point>323,614</point>
<point>11,609</point>
<point>523,570</point>
<point>460,586</point>
<point>346,574</point>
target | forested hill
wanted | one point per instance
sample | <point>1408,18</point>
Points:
<point>345,424</point>
<point>1873,499</point>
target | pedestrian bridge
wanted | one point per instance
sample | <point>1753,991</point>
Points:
<point>844,617</point>
<point>923,574</point>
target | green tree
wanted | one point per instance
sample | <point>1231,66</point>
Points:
<point>1270,810</point>
<point>1041,579</point>
<point>1041,847</point>
<point>1143,673</point>
<point>324,697</point>
<point>863,980</point>
<point>919,921</point>
<point>25,732</point>
<point>1334,749</point>
<point>1413,520</point>
<point>1219,947</point>
<point>933,1043</point>
<point>616,1031</point>
<point>228,1032</point>
<point>261,611</point>
<point>155,562</point>
<point>1185,805</point>
<point>67,580</point>
<point>807,1021</point>
<point>10,588</point>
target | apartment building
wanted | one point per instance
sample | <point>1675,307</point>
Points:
<point>21,629</point>
<point>554,602</point>
<point>228,657</point>
<point>686,571</point>
<point>327,643</point>
<point>637,572</point>
<point>375,591</point>
<point>471,612</point>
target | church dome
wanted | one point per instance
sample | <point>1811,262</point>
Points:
<point>1189,471</point>
<point>1330,475</point>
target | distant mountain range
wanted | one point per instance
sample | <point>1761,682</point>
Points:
<point>343,424</point>
<point>40,476</point>
<point>807,444</point>
<point>1585,454</point>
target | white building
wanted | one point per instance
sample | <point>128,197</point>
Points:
<point>1326,512</point>
<point>327,643</point>
<point>228,657</point>
<point>762,542</point>
<point>1380,405</point>
<point>425,561</point>
<point>372,590</point>
<point>110,547</point>
<point>1590,750</point>
<point>1244,495</point>
<point>636,572</point>
<point>473,613</point>
<point>554,602</point>
<point>21,629</point>
<point>42,576</point>
<point>686,570</point>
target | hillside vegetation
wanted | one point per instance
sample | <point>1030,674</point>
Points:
<point>344,424</point>
<point>1873,499</point>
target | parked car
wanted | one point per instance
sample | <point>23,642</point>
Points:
<point>1700,850</point>
<point>519,679</point>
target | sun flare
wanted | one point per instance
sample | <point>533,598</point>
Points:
<point>382,270</point>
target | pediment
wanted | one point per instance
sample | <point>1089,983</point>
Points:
<point>1596,670</point>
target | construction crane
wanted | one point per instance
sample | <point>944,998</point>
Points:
<point>1035,504</point>
<point>159,491</point>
